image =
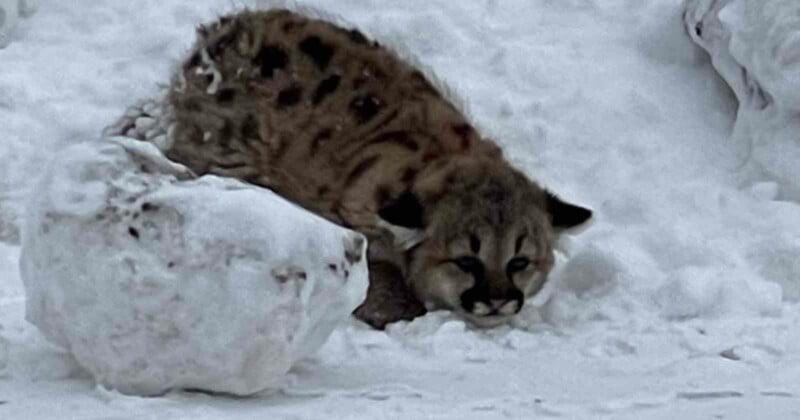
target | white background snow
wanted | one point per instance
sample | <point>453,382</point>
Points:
<point>681,301</point>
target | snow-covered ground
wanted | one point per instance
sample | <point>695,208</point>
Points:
<point>681,301</point>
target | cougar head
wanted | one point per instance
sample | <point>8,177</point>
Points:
<point>489,234</point>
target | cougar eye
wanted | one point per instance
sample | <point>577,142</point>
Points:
<point>517,264</point>
<point>467,264</point>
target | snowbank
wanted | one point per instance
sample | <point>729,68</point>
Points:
<point>155,280</point>
<point>755,47</point>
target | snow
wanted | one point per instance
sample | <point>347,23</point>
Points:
<point>150,120</point>
<point>756,49</point>
<point>681,301</point>
<point>155,281</point>
<point>10,12</point>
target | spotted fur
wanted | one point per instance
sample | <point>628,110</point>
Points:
<point>335,122</point>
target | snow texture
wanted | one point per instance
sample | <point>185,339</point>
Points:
<point>755,47</point>
<point>10,12</point>
<point>151,120</point>
<point>154,280</point>
<point>680,302</point>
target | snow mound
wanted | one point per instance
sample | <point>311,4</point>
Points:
<point>156,280</point>
<point>755,47</point>
<point>701,291</point>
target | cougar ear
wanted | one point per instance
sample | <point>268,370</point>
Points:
<point>564,215</point>
<point>405,211</point>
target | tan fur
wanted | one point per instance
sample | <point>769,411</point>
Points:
<point>338,124</point>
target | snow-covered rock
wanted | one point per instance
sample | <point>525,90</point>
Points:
<point>156,280</point>
<point>10,12</point>
<point>755,47</point>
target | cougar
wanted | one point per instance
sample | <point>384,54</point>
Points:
<point>342,126</point>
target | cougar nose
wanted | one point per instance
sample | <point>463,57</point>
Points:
<point>493,305</point>
<point>505,306</point>
<point>509,304</point>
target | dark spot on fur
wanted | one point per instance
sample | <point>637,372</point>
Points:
<point>385,121</point>
<point>230,165</point>
<point>431,156</point>
<point>133,232</point>
<point>332,267</point>
<point>362,167</point>
<point>146,207</point>
<point>194,60</point>
<point>171,264</point>
<point>382,195</point>
<point>405,210</point>
<point>474,244</point>
<point>463,131</point>
<point>325,88</point>
<point>409,175</point>
<point>321,137</point>
<point>401,138</point>
<point>357,37</point>
<point>364,108</point>
<point>302,275</point>
<point>290,96</point>
<point>223,42</point>
<point>224,20</point>
<point>226,95</point>
<point>226,134</point>
<point>698,29</point>
<point>288,26</point>
<point>319,52</point>
<point>271,58</point>
<point>450,178</point>
<point>358,82</point>
<point>250,128</point>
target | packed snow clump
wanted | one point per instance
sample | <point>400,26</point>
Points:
<point>10,12</point>
<point>151,120</point>
<point>755,47</point>
<point>155,279</point>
